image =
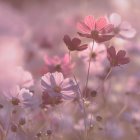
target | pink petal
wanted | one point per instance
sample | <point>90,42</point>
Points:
<point>90,22</point>
<point>108,28</point>
<point>128,33</point>
<point>66,59</point>
<point>101,23</point>
<point>83,27</point>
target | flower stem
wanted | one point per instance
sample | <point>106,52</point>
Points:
<point>81,98</point>
<point>89,69</point>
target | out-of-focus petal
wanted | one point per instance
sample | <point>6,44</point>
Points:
<point>115,19</point>
<point>130,33</point>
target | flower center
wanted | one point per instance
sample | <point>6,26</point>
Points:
<point>15,101</point>
<point>58,68</point>
<point>57,89</point>
<point>116,30</point>
<point>94,33</point>
<point>93,55</point>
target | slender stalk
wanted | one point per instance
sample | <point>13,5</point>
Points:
<point>109,72</point>
<point>81,97</point>
<point>106,77</point>
<point>89,68</point>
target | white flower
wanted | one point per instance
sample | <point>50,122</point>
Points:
<point>122,29</point>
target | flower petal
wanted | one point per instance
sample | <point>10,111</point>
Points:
<point>56,78</point>
<point>121,53</point>
<point>115,19</point>
<point>100,23</point>
<point>83,27</point>
<point>67,40</point>
<point>76,41</point>
<point>90,22</point>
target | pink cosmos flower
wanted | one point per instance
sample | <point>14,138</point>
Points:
<point>18,96</point>
<point>118,58</point>
<point>122,29</point>
<point>74,44</point>
<point>56,86</point>
<point>98,54</point>
<point>59,64</point>
<point>99,30</point>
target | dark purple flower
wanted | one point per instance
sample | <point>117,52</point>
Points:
<point>118,58</point>
<point>74,44</point>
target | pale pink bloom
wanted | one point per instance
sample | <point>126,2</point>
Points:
<point>98,56</point>
<point>60,64</point>
<point>56,86</point>
<point>24,78</point>
<point>122,29</point>
<point>18,96</point>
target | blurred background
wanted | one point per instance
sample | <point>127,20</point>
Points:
<point>32,29</point>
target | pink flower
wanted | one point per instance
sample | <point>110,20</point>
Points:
<point>118,58</point>
<point>121,28</point>
<point>98,55</point>
<point>56,86</point>
<point>59,64</point>
<point>99,30</point>
<point>74,44</point>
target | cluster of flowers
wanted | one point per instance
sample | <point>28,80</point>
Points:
<point>56,86</point>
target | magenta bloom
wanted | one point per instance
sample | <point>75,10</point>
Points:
<point>56,86</point>
<point>74,44</point>
<point>99,30</point>
<point>59,64</point>
<point>118,58</point>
